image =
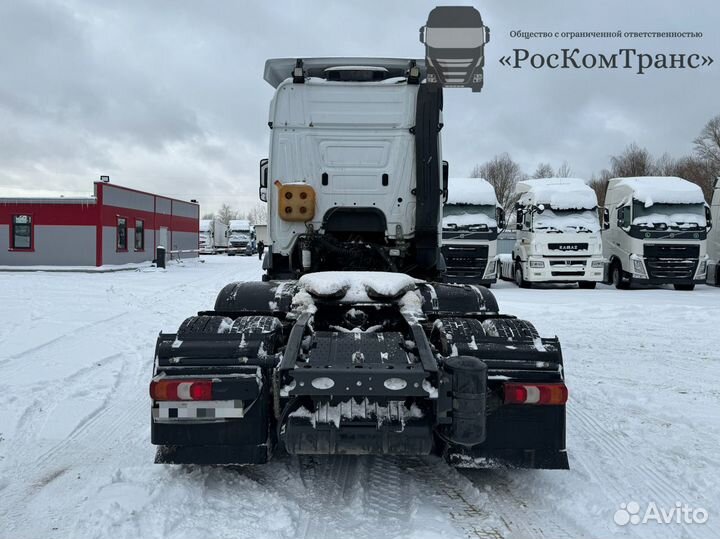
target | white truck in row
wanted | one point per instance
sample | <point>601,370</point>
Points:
<point>713,241</point>
<point>241,237</point>
<point>471,221</point>
<point>212,236</point>
<point>655,232</point>
<point>558,234</point>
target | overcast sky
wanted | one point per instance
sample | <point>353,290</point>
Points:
<point>168,95</point>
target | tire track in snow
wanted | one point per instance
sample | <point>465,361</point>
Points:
<point>642,482</point>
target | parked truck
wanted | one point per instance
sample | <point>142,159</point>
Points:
<point>212,237</point>
<point>471,220</point>
<point>241,238</point>
<point>655,232</point>
<point>558,234</point>
<point>713,240</point>
<point>348,345</point>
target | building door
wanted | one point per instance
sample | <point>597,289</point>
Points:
<point>163,241</point>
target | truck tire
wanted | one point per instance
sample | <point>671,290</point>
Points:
<point>587,285</point>
<point>511,329</point>
<point>684,286</point>
<point>519,278</point>
<point>619,279</point>
<point>198,326</point>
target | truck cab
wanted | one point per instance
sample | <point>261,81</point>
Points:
<point>206,243</point>
<point>655,232</point>
<point>241,237</point>
<point>713,240</point>
<point>471,220</point>
<point>558,234</point>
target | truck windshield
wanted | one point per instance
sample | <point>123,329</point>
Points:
<point>567,221</point>
<point>468,217</point>
<point>454,38</point>
<point>664,216</point>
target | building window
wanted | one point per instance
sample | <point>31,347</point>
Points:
<point>139,235</point>
<point>121,234</point>
<point>21,232</point>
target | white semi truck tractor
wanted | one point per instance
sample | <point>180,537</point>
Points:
<point>558,234</point>
<point>471,221</point>
<point>655,232</point>
<point>350,344</point>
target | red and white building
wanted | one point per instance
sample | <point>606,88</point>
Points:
<point>117,225</point>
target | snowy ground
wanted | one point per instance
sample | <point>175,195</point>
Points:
<point>643,367</point>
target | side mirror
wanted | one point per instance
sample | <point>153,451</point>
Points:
<point>708,217</point>
<point>446,176</point>
<point>422,35</point>
<point>606,218</point>
<point>519,219</point>
<point>500,218</point>
<point>540,208</point>
<point>263,179</point>
<point>620,217</point>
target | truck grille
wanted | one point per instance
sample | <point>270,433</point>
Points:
<point>454,70</point>
<point>470,256</point>
<point>671,261</point>
<point>568,264</point>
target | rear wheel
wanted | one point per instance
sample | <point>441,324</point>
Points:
<point>519,278</point>
<point>684,286</point>
<point>619,279</point>
<point>587,285</point>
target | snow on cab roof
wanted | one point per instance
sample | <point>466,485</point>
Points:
<point>475,191</point>
<point>560,193</point>
<point>662,190</point>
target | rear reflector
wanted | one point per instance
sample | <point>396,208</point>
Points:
<point>543,394</point>
<point>181,390</point>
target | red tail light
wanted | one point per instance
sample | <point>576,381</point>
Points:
<point>543,394</point>
<point>181,390</point>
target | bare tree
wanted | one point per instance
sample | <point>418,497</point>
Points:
<point>564,171</point>
<point>226,214</point>
<point>258,215</point>
<point>599,184</point>
<point>707,144</point>
<point>208,216</point>
<point>692,168</point>
<point>543,170</point>
<point>634,161</point>
<point>503,174</point>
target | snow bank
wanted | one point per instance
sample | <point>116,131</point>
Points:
<point>558,193</point>
<point>663,190</point>
<point>476,191</point>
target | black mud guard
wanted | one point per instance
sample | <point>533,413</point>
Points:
<point>256,297</point>
<point>460,300</point>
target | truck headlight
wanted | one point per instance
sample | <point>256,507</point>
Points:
<point>598,263</point>
<point>702,268</point>
<point>537,264</point>
<point>638,265</point>
<point>490,269</point>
